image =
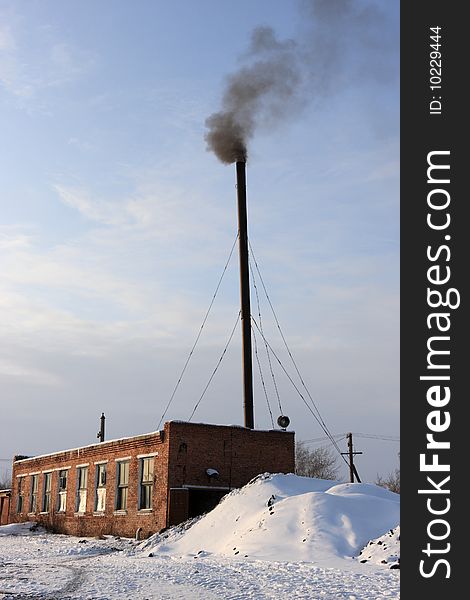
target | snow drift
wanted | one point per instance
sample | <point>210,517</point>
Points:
<point>288,518</point>
<point>384,550</point>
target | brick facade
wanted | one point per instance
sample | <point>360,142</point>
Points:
<point>180,455</point>
<point>4,506</point>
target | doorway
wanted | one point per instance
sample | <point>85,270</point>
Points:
<point>202,500</point>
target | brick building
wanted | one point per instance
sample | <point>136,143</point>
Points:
<point>4,506</point>
<point>140,485</point>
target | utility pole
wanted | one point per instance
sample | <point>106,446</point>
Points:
<point>351,454</point>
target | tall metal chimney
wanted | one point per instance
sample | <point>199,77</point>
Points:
<point>245,297</point>
<point>100,434</point>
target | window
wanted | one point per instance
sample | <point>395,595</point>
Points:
<point>62,502</point>
<point>146,483</point>
<point>122,484</point>
<point>82,481</point>
<point>33,499</point>
<point>100,496</point>
<point>46,498</point>
<point>20,495</point>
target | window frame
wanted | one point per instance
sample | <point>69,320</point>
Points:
<point>146,487</point>
<point>46,492</point>
<point>33,494</point>
<point>62,491</point>
<point>20,483</point>
<point>100,468</point>
<point>122,489</point>
<point>82,488</point>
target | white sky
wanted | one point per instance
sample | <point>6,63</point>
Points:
<point>116,223</point>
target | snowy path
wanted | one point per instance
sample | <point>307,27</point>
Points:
<point>279,536</point>
<point>48,567</point>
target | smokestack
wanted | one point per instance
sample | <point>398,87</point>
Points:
<point>276,81</point>
<point>100,434</point>
<point>245,297</point>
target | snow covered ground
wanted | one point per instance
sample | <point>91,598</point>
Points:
<point>385,550</point>
<point>279,536</point>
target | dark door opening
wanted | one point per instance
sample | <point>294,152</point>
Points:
<point>203,500</point>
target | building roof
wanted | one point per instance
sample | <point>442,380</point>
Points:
<point>100,444</point>
<point>135,437</point>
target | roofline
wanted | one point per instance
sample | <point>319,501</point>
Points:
<point>95,444</point>
<point>232,426</point>
<point>143,435</point>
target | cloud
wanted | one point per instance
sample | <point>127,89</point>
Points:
<point>161,207</point>
<point>385,171</point>
<point>100,301</point>
<point>12,77</point>
<point>10,240</point>
<point>27,70</point>
<point>83,145</point>
<point>103,212</point>
<point>158,211</point>
<point>27,374</point>
<point>109,315</point>
<point>89,295</point>
<point>7,42</point>
<point>65,64</point>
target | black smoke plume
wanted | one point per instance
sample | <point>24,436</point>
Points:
<point>264,89</point>
<point>281,77</point>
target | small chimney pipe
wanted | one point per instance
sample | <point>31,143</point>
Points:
<point>245,297</point>
<point>100,434</point>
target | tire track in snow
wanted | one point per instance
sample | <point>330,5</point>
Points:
<point>30,570</point>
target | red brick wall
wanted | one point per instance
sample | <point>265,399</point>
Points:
<point>88,523</point>
<point>185,451</point>
<point>4,506</point>
<point>178,506</point>
<point>238,454</point>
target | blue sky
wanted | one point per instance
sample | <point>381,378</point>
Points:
<point>116,222</point>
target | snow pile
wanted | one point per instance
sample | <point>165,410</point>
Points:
<point>29,528</point>
<point>288,518</point>
<point>168,536</point>
<point>45,565</point>
<point>384,550</point>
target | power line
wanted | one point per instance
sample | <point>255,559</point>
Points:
<point>337,437</point>
<point>318,416</point>
<point>216,367</point>
<point>261,377</point>
<point>199,334</point>
<point>265,345</point>
<point>325,444</point>
<point>285,341</point>
<point>319,421</point>
<point>385,438</point>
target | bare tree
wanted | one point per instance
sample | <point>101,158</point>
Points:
<point>5,480</point>
<point>316,462</point>
<point>391,481</point>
